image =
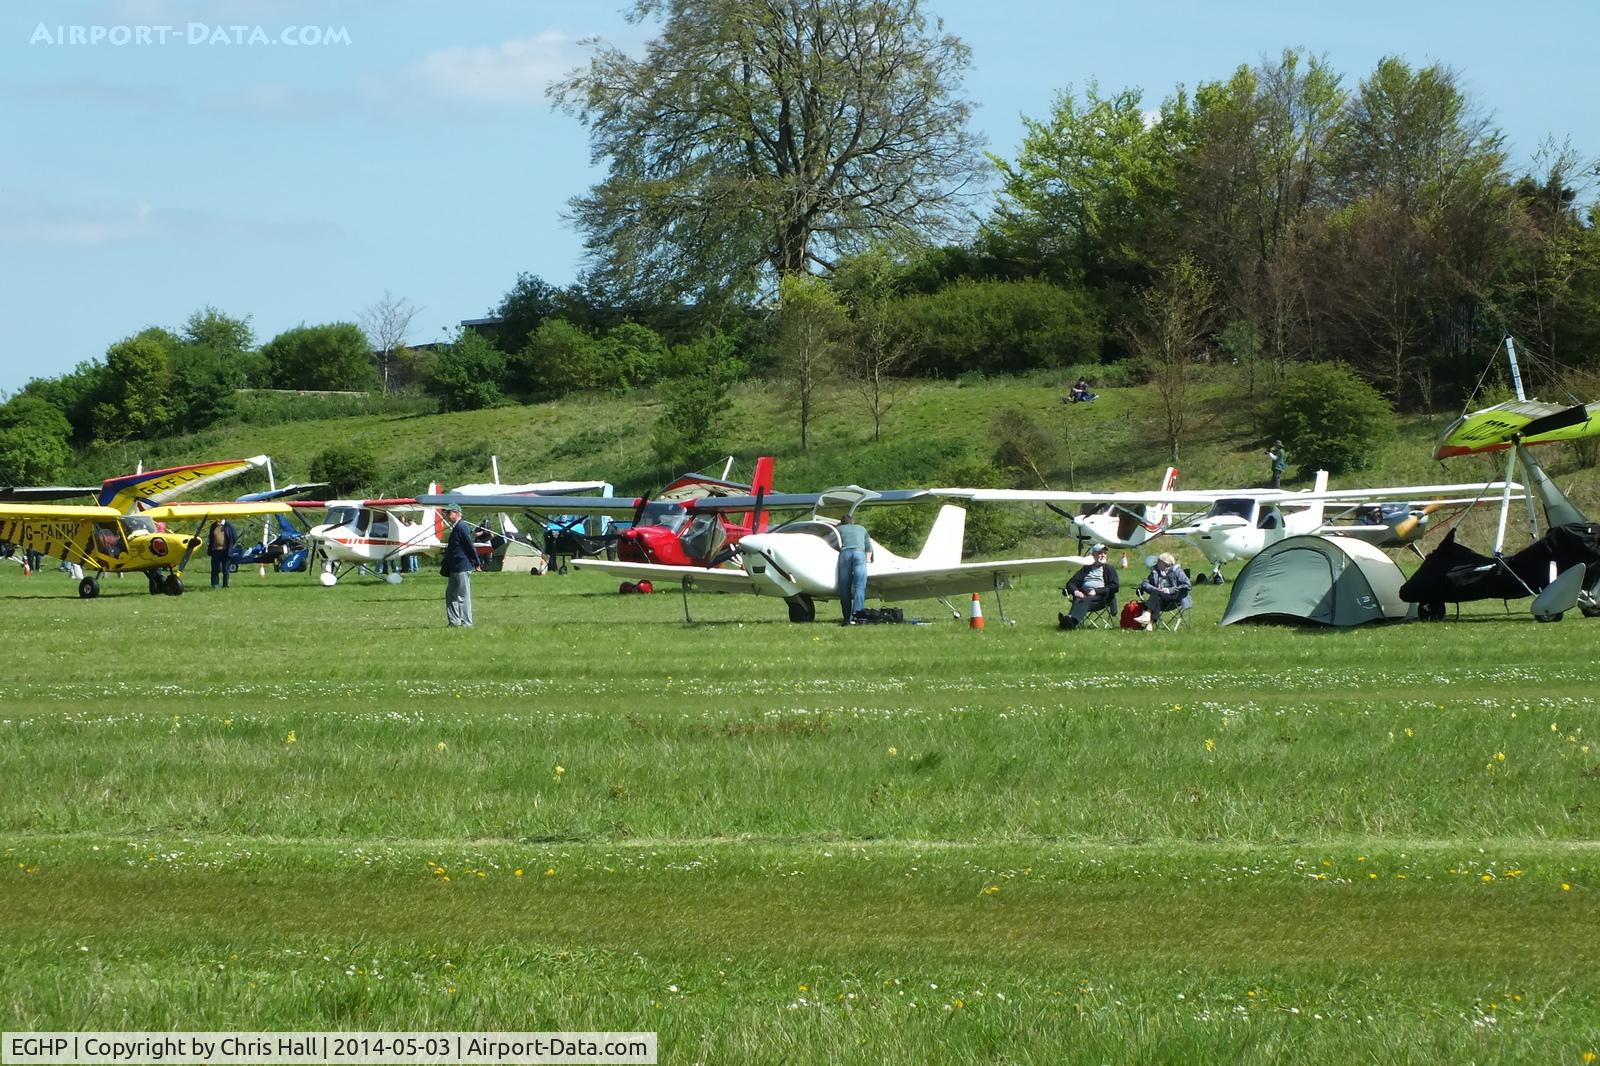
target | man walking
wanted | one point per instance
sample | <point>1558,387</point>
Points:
<point>460,560</point>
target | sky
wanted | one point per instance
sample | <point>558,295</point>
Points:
<point>295,161</point>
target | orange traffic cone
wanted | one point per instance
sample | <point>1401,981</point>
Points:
<point>25,570</point>
<point>1124,560</point>
<point>976,621</point>
<point>263,569</point>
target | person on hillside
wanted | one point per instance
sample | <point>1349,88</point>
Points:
<point>1080,392</point>
<point>460,560</point>
<point>855,552</point>
<point>219,544</point>
<point>1166,587</point>
<point>1278,457</point>
<point>1092,588</point>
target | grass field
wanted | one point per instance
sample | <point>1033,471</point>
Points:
<point>288,807</point>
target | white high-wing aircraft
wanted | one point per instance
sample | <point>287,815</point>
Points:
<point>798,560</point>
<point>1238,524</point>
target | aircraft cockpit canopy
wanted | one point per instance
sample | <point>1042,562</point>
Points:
<point>344,516</point>
<point>827,531</point>
<point>1237,506</point>
<point>667,515</point>
<point>138,524</point>
<point>703,536</point>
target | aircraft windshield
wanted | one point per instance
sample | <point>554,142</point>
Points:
<point>703,537</point>
<point>665,515</point>
<point>138,524</point>
<point>343,516</point>
<point>108,538</point>
<point>1239,506</point>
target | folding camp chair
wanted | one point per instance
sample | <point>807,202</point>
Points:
<point>1102,617</point>
<point>1172,618</point>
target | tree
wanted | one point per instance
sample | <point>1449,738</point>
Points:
<point>760,139</point>
<point>879,349</point>
<point>808,333</point>
<point>1169,337</point>
<point>386,323</point>
<point>138,399</point>
<point>33,441</point>
<point>1329,418</point>
<point>694,416</point>
<point>347,468</point>
<point>560,358</point>
<point>334,356</point>
<point>467,374</point>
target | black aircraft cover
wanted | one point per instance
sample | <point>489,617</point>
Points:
<point>1455,574</point>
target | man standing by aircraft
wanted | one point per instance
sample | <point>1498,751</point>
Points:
<point>460,560</point>
<point>855,552</point>
<point>219,544</point>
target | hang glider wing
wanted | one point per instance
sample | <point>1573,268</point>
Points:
<point>154,487</point>
<point>283,493</point>
<point>1492,428</point>
<point>715,579</point>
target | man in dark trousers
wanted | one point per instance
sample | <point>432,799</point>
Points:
<point>219,543</point>
<point>1091,588</point>
<point>460,560</point>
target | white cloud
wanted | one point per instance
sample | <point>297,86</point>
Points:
<point>34,220</point>
<point>513,72</point>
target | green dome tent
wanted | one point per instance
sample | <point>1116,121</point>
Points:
<point>1332,581</point>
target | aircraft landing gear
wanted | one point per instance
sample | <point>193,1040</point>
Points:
<point>802,608</point>
<point>155,582</point>
<point>89,588</point>
<point>1430,612</point>
<point>173,585</point>
<point>1217,578</point>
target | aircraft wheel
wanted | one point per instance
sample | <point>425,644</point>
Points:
<point>1431,612</point>
<point>1217,578</point>
<point>802,608</point>
<point>88,588</point>
<point>1590,610</point>
<point>1548,617</point>
<point>155,583</point>
<point>173,585</point>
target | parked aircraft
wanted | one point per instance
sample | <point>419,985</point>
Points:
<point>683,524</point>
<point>371,533</point>
<point>1239,523</point>
<point>798,560</point>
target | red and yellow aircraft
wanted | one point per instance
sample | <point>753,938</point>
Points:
<point>118,537</point>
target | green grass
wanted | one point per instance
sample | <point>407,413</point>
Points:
<point>288,807</point>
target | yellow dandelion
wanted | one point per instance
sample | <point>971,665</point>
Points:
<point>227,722</point>
<point>893,752</point>
<point>1372,877</point>
<point>1486,878</point>
<point>1554,728</point>
<point>550,871</point>
<point>958,1004</point>
<point>991,890</point>
<point>517,872</point>
<point>561,771</point>
<point>1588,1056</point>
<point>1410,732</point>
<point>1499,756</point>
<point>439,746</point>
<point>804,987</point>
<point>291,738</point>
<point>1565,887</point>
<point>1211,744</point>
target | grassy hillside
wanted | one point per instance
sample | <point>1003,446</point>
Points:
<point>937,433</point>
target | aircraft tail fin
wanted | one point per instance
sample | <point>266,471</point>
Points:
<point>1157,518</point>
<point>433,517</point>
<point>943,546</point>
<point>761,485</point>
<point>1318,487</point>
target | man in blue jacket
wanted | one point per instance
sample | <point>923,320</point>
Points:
<point>460,560</point>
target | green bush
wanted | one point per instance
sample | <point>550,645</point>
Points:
<point>1000,327</point>
<point>347,468</point>
<point>1329,418</point>
<point>467,374</point>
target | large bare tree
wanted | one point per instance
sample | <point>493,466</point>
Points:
<point>766,137</point>
<point>386,323</point>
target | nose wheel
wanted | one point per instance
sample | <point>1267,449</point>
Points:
<point>89,588</point>
<point>1216,576</point>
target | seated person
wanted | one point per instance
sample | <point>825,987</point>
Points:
<point>1080,392</point>
<point>1091,588</point>
<point>1166,587</point>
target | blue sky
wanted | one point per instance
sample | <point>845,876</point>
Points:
<point>418,155</point>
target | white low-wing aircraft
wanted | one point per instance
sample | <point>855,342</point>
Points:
<point>1239,523</point>
<point>798,560</point>
<point>372,532</point>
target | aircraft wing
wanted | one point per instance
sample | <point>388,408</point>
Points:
<point>718,579</point>
<point>57,511</point>
<point>158,486</point>
<point>1467,492</point>
<point>45,493</point>
<point>547,488</point>
<point>1125,499</point>
<point>924,582</point>
<point>210,512</point>
<point>538,502</point>
<point>278,494</point>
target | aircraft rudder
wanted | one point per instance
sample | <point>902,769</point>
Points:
<point>945,539</point>
<point>760,485</point>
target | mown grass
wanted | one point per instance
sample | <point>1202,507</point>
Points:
<point>286,807</point>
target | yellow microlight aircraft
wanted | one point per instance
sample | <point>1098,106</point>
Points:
<point>104,540</point>
<point>116,536</point>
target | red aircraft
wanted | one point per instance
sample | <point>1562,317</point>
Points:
<point>667,529</point>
